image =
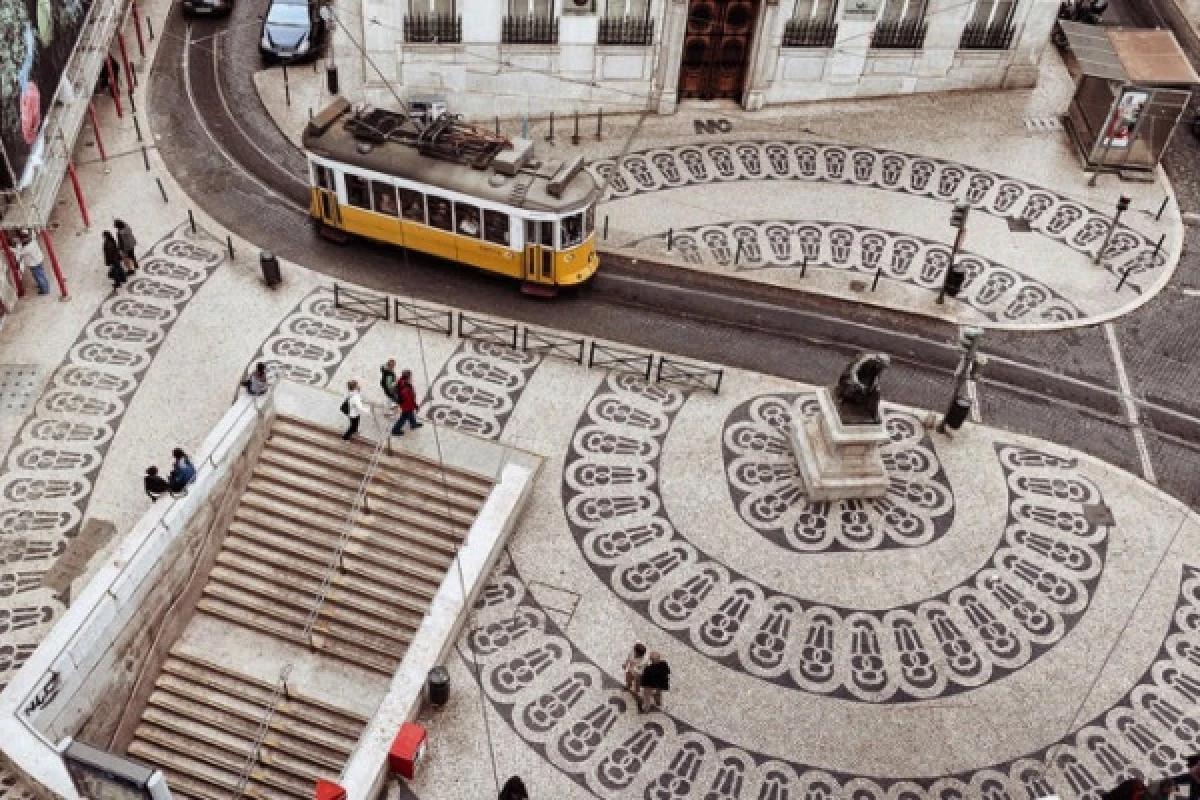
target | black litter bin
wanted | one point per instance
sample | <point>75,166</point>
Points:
<point>270,268</point>
<point>439,687</point>
<point>958,413</point>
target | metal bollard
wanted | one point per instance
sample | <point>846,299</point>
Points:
<point>497,126</point>
<point>287,89</point>
<point>1162,208</point>
<point>150,28</point>
<point>229,242</point>
<point>137,127</point>
<point>606,227</point>
<point>550,135</point>
<point>162,191</point>
<point>575,135</point>
<point>875,282</point>
<point>192,220</point>
<point>804,266</point>
<point>670,238</point>
<point>737,256</point>
<point>145,158</point>
<point>132,104</point>
<point>1158,246</point>
<point>600,123</point>
<point>1124,277</point>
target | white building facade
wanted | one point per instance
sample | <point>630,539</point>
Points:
<point>507,58</point>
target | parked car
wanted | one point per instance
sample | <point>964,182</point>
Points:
<point>198,8</point>
<point>293,30</point>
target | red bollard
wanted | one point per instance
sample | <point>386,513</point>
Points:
<point>13,266</point>
<point>87,222</point>
<point>96,131</point>
<point>58,276</point>
<point>125,61</point>
<point>137,28</point>
<point>112,85</point>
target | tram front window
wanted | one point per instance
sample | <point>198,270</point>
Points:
<point>572,231</point>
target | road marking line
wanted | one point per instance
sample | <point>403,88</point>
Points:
<point>1127,400</point>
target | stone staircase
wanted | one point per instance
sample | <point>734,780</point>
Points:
<point>201,721</point>
<point>290,519</point>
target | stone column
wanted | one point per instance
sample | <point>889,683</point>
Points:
<point>764,56</point>
<point>670,55</point>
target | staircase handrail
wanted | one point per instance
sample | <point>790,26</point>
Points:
<point>263,729</point>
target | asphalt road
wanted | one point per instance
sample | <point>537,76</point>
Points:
<point>226,152</point>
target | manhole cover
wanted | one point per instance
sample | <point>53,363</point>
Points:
<point>18,387</point>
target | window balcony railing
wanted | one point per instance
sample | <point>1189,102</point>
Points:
<point>809,33</point>
<point>901,34</point>
<point>530,30</point>
<point>986,37</point>
<point>626,30</point>
<point>432,28</point>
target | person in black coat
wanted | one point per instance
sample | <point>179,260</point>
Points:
<point>1190,779</point>
<point>114,261</point>
<point>656,677</point>
<point>156,485</point>
<point>514,789</point>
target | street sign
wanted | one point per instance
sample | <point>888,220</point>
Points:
<point>861,9</point>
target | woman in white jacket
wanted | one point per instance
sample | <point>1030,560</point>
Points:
<point>353,408</point>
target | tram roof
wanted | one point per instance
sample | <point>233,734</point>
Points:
<point>337,142</point>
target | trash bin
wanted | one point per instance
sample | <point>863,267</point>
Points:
<point>957,414</point>
<point>270,268</point>
<point>439,687</point>
<point>331,78</point>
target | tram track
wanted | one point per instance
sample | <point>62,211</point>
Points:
<point>249,177</point>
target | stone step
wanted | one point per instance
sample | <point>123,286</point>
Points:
<point>187,700</point>
<point>403,608</point>
<point>338,500</point>
<point>309,710</point>
<point>420,480</point>
<point>189,788</point>
<point>405,462</point>
<point>331,478</point>
<point>272,545</point>
<point>376,534</point>
<point>350,651</point>
<point>295,604</point>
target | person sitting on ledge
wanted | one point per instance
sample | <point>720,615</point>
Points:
<point>182,473</point>
<point>156,485</point>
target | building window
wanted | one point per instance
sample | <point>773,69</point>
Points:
<point>432,21</point>
<point>530,22</point>
<point>812,24</point>
<point>901,26</point>
<point>412,205</point>
<point>627,22</point>
<point>356,192</point>
<point>991,26</point>
<point>495,227</point>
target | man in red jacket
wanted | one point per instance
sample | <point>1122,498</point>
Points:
<point>408,404</point>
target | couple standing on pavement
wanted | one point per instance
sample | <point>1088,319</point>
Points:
<point>120,253</point>
<point>400,392</point>
<point>646,677</point>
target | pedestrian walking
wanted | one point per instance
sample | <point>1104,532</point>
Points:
<point>128,244</point>
<point>1190,779</point>
<point>156,485</point>
<point>353,408</point>
<point>407,399</point>
<point>114,261</point>
<point>514,789</point>
<point>258,383</point>
<point>30,257</point>
<point>183,472</point>
<point>633,668</point>
<point>656,679</point>
<point>387,380</point>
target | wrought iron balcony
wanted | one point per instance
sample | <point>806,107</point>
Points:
<point>433,28</point>
<point>903,34</point>
<point>626,30</point>
<point>986,37</point>
<point>530,30</point>
<point>809,33</point>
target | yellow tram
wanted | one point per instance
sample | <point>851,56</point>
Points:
<point>454,191</point>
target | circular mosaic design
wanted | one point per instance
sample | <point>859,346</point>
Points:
<point>767,490</point>
<point>1048,213</point>
<point>1026,597</point>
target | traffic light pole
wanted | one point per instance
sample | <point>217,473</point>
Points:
<point>958,239</point>
<point>1122,206</point>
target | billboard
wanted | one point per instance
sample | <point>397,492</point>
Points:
<point>36,40</point>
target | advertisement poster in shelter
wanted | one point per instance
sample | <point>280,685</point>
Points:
<point>1124,120</point>
<point>36,40</point>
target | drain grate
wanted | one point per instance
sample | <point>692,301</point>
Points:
<point>18,387</point>
<point>1042,124</point>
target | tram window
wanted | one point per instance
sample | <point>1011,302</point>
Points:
<point>439,213</point>
<point>572,230</point>
<point>413,205</point>
<point>548,234</point>
<point>495,227</point>
<point>356,192</point>
<point>324,177</point>
<point>384,195</point>
<point>589,221</point>
<point>467,219</point>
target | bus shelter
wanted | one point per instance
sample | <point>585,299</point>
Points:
<point>1133,86</point>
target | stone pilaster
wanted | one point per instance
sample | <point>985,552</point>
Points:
<point>670,55</point>
<point>764,56</point>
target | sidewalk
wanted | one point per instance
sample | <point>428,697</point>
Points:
<point>852,199</point>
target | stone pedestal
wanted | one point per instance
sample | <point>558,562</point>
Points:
<point>838,461</point>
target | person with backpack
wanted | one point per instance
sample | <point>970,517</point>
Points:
<point>114,261</point>
<point>128,244</point>
<point>387,380</point>
<point>353,408</point>
<point>407,400</point>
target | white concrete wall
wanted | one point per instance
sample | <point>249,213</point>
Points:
<point>82,665</point>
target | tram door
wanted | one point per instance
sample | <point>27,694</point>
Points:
<point>327,194</point>
<point>539,251</point>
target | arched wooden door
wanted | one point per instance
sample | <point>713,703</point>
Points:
<point>716,48</point>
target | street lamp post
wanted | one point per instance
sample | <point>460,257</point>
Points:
<point>952,282</point>
<point>969,367</point>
